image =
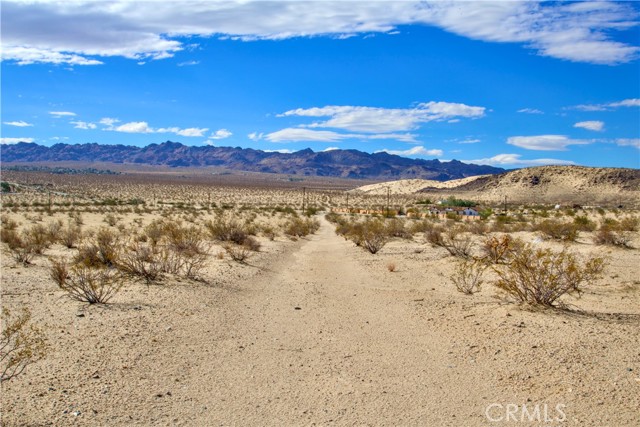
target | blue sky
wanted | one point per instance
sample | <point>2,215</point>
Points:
<point>510,84</point>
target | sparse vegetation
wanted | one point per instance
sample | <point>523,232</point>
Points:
<point>21,344</point>
<point>468,275</point>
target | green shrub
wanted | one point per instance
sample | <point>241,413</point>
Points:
<point>540,276</point>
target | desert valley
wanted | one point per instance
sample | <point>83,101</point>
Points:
<point>174,297</point>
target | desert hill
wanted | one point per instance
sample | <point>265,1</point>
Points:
<point>542,184</point>
<point>334,163</point>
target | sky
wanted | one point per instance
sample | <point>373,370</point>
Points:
<point>507,83</point>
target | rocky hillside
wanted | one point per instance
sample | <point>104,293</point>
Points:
<point>335,163</point>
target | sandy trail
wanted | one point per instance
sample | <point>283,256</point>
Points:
<point>315,342</point>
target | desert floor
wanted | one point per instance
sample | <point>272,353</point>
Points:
<point>319,332</point>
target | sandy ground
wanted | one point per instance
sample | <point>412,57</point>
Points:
<point>319,332</point>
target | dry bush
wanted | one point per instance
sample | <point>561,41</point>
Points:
<point>86,284</point>
<point>21,344</point>
<point>238,253</point>
<point>140,261</point>
<point>103,251</point>
<point>453,239</point>
<point>70,235</point>
<point>301,227</point>
<point>374,235</point>
<point>612,235</point>
<point>391,267</point>
<point>111,219</point>
<point>478,227</point>
<point>422,226</point>
<point>541,276</point>
<point>467,276</point>
<point>225,229</point>
<point>7,223</point>
<point>38,238</point>
<point>498,249</point>
<point>396,228</point>
<point>54,230</point>
<point>21,248</point>
<point>582,223</point>
<point>558,230</point>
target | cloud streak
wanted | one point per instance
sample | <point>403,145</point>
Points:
<point>545,142</point>
<point>516,160</point>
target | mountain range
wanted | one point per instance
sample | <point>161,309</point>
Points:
<point>334,163</point>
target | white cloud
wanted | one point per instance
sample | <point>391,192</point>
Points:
<point>221,134</point>
<point>469,141</point>
<point>76,32</point>
<point>594,125</point>
<point>143,127</point>
<point>59,114</point>
<point>281,151</point>
<point>108,121</point>
<point>545,142</point>
<point>530,111</point>
<point>632,102</point>
<point>635,102</point>
<point>255,136</point>
<point>300,134</point>
<point>418,151</point>
<point>134,127</point>
<point>304,134</point>
<point>83,125</point>
<point>20,124</point>
<point>630,142</point>
<point>375,119</point>
<point>15,140</point>
<point>515,160</point>
<point>188,63</point>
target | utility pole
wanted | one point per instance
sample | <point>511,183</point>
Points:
<point>304,195</point>
<point>388,197</point>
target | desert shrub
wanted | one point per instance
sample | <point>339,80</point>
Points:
<point>21,248</point>
<point>21,344</point>
<point>479,228</point>
<point>391,267</point>
<point>396,228</point>
<point>53,231</point>
<point>86,284</point>
<point>582,223</point>
<point>612,235</point>
<point>498,249</point>
<point>421,226</point>
<point>38,238</point>
<point>238,253</point>
<point>452,239</point>
<point>140,261</point>
<point>333,217</point>
<point>374,235</point>
<point>558,230</point>
<point>101,252</point>
<point>269,232</point>
<point>628,223</point>
<point>225,229</point>
<point>70,235</point>
<point>540,276</point>
<point>111,219</point>
<point>8,223</point>
<point>300,227</point>
<point>467,276</point>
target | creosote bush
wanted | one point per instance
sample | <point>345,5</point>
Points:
<point>301,227</point>
<point>84,283</point>
<point>453,239</point>
<point>467,275</point>
<point>540,276</point>
<point>558,230</point>
<point>21,344</point>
